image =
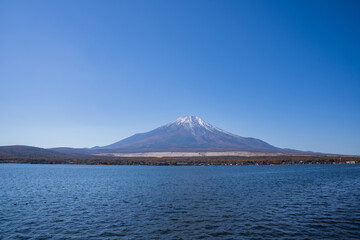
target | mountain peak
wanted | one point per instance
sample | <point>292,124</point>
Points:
<point>188,119</point>
<point>191,122</point>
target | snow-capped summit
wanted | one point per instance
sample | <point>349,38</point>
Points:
<point>188,134</point>
<point>188,120</point>
<point>191,123</point>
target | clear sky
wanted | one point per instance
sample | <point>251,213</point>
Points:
<point>87,73</point>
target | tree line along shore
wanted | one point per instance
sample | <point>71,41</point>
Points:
<point>181,161</point>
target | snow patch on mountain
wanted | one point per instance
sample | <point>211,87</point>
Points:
<point>193,122</point>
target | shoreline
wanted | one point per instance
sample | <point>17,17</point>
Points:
<point>190,161</point>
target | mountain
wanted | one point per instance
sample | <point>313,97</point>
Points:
<point>188,134</point>
<point>184,137</point>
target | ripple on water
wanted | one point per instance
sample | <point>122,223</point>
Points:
<point>114,202</point>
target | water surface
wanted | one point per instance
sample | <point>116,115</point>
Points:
<point>151,202</point>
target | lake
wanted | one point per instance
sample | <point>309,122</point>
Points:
<point>188,202</point>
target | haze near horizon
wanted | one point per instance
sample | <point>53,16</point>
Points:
<point>90,73</point>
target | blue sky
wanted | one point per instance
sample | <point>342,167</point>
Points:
<point>86,73</point>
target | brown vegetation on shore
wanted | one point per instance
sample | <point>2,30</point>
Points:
<point>229,160</point>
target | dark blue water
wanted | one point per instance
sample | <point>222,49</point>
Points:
<point>142,202</point>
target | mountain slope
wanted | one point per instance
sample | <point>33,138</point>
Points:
<point>190,134</point>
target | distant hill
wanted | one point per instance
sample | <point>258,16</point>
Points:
<point>19,151</point>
